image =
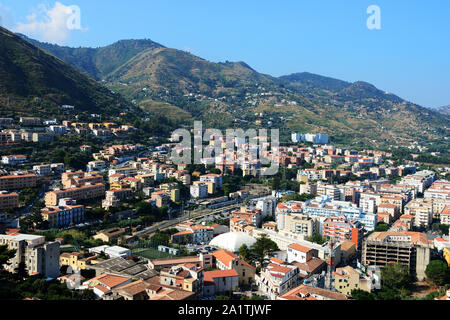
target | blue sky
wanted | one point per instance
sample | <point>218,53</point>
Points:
<point>409,56</point>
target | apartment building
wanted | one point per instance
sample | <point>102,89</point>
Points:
<point>115,197</point>
<point>213,178</point>
<point>78,193</point>
<point>14,160</point>
<point>445,216</point>
<point>323,207</point>
<point>42,137</point>
<point>439,194</point>
<point>347,279</point>
<point>71,179</point>
<point>187,277</point>
<point>97,165</point>
<point>40,257</point>
<point>199,190</point>
<point>17,181</point>
<point>9,200</point>
<point>340,228</point>
<point>30,121</point>
<point>194,235</point>
<point>411,249</point>
<point>292,221</point>
<point>43,169</point>
<point>277,278</point>
<point>66,213</point>
<point>251,216</point>
<point>420,180</point>
<point>422,210</point>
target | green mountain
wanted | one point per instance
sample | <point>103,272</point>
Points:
<point>159,79</point>
<point>32,82</point>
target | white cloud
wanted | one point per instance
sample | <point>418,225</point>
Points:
<point>52,25</point>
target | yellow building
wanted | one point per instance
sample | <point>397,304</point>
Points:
<point>347,279</point>
<point>447,255</point>
<point>75,260</point>
<point>173,190</point>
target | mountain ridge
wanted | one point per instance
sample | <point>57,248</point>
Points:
<point>222,93</point>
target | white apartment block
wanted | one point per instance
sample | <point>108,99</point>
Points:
<point>420,180</point>
<point>277,279</point>
<point>43,169</point>
<point>199,190</point>
<point>422,210</point>
<point>211,177</point>
<point>40,257</point>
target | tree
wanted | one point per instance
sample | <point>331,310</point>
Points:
<point>21,271</point>
<point>5,255</point>
<point>262,248</point>
<point>245,253</point>
<point>275,183</point>
<point>396,276</point>
<point>317,238</point>
<point>381,227</point>
<point>359,294</point>
<point>437,271</point>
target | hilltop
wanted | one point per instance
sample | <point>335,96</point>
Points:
<point>157,78</point>
<point>33,82</point>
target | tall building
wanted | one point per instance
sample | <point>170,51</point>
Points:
<point>40,257</point>
<point>341,228</point>
<point>422,210</point>
<point>322,207</point>
<point>411,249</point>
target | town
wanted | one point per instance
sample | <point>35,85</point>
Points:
<point>119,220</point>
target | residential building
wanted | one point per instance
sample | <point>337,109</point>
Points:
<point>104,283</point>
<point>227,260</point>
<point>422,210</point>
<point>14,160</point>
<point>110,235</point>
<point>8,200</point>
<point>65,214</point>
<point>341,228</point>
<point>323,207</point>
<point>199,190</point>
<point>277,278</point>
<point>347,279</point>
<point>304,292</point>
<point>43,169</point>
<point>78,193</point>
<point>220,282</point>
<point>39,256</point>
<point>17,181</point>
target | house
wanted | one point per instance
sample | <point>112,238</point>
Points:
<point>105,283</point>
<point>220,282</point>
<point>277,278</point>
<point>14,160</point>
<point>304,292</point>
<point>110,235</point>
<point>347,279</point>
<point>227,260</point>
